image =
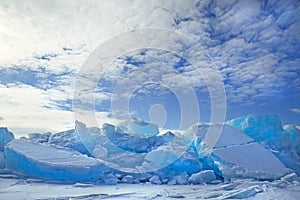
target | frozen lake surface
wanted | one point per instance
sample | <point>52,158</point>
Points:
<point>12,188</point>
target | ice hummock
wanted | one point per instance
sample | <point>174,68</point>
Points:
<point>139,127</point>
<point>206,176</point>
<point>129,142</point>
<point>52,163</point>
<point>266,129</point>
<point>236,155</point>
<point>5,137</point>
<point>61,156</point>
<point>282,141</point>
<point>68,139</point>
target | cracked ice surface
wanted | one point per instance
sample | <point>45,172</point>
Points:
<point>237,189</point>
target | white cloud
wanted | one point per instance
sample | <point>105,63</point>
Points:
<point>296,110</point>
<point>249,42</point>
<point>23,109</point>
<point>39,26</point>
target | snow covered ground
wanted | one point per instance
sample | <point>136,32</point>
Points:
<point>13,189</point>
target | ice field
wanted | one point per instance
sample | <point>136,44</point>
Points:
<point>254,156</point>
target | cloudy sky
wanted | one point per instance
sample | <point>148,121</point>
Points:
<point>253,46</point>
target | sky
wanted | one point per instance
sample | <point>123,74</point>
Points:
<point>244,59</point>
